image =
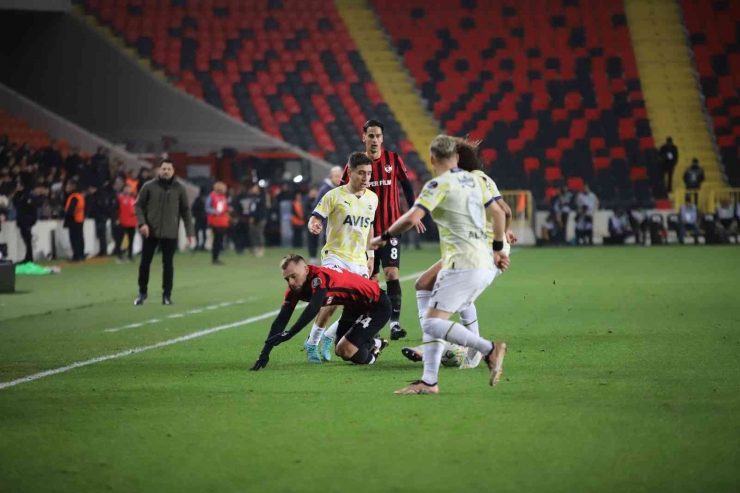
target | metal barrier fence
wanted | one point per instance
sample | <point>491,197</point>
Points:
<point>521,203</point>
<point>705,200</point>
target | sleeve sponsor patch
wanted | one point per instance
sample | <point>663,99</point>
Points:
<point>316,282</point>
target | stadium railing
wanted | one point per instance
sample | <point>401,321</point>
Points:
<point>706,200</point>
<point>733,194</point>
<point>522,205</point>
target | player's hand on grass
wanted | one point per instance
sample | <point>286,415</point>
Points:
<point>501,260</point>
<point>278,339</point>
<point>511,237</point>
<point>376,243</point>
<point>260,363</point>
<point>314,225</point>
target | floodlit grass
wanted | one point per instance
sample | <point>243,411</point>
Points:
<point>622,375</point>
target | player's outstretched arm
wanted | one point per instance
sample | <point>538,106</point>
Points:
<point>403,224</point>
<point>278,325</point>
<point>314,305</point>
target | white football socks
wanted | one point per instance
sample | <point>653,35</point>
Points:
<point>469,318</point>
<point>422,301</point>
<point>315,336</point>
<point>454,332</point>
<point>433,349</point>
<point>331,332</point>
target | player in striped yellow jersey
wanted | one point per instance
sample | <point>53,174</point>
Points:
<point>469,161</point>
<point>349,211</point>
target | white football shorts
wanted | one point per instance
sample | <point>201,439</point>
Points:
<point>456,289</point>
<point>332,261</point>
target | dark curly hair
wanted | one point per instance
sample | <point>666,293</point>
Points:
<point>468,151</point>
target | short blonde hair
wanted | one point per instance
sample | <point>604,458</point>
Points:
<point>290,258</point>
<point>443,147</point>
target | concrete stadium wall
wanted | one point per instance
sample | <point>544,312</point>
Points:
<point>50,235</point>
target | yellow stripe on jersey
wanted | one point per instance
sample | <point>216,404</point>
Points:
<point>456,200</point>
<point>348,219</point>
<point>491,185</point>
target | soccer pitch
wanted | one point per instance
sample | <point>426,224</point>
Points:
<point>622,375</point>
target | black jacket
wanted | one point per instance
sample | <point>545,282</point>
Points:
<point>26,204</point>
<point>161,205</point>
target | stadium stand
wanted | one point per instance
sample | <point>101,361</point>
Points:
<point>20,133</point>
<point>288,67</point>
<point>551,88</point>
<point>714,28</point>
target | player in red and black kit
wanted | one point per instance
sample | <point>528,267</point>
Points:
<point>388,172</point>
<point>366,310</point>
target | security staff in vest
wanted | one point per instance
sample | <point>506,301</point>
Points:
<point>74,219</point>
<point>161,204</point>
<point>217,207</point>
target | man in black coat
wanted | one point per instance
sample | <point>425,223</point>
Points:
<point>26,204</point>
<point>161,204</point>
<point>668,158</point>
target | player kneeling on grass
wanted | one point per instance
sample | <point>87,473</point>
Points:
<point>366,310</point>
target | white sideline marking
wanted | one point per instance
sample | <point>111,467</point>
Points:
<point>179,315</point>
<point>170,342</point>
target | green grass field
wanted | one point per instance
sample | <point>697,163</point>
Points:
<point>622,375</point>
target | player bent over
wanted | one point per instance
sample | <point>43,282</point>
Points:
<point>366,310</point>
<point>468,161</point>
<point>458,202</point>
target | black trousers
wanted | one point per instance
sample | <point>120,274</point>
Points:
<point>298,236</point>
<point>28,241</point>
<point>313,246</point>
<point>149,246</point>
<point>668,176</point>
<point>218,242</point>
<point>102,238</point>
<point>77,240</point>
<point>240,235</point>
<point>564,232</point>
<point>585,236</point>
<point>119,233</point>
<point>201,228</point>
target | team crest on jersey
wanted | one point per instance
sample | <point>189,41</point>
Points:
<point>394,241</point>
<point>433,184</point>
<point>329,300</point>
<point>316,282</point>
<point>388,168</point>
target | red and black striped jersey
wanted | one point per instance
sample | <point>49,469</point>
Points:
<point>343,288</point>
<point>388,171</point>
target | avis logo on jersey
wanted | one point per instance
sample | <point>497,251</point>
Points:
<point>361,221</point>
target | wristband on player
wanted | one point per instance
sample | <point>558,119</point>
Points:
<point>386,235</point>
<point>498,246</point>
<point>370,253</point>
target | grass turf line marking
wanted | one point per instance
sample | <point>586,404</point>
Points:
<point>179,315</point>
<point>170,342</point>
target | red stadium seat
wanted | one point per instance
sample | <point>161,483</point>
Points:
<point>553,174</point>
